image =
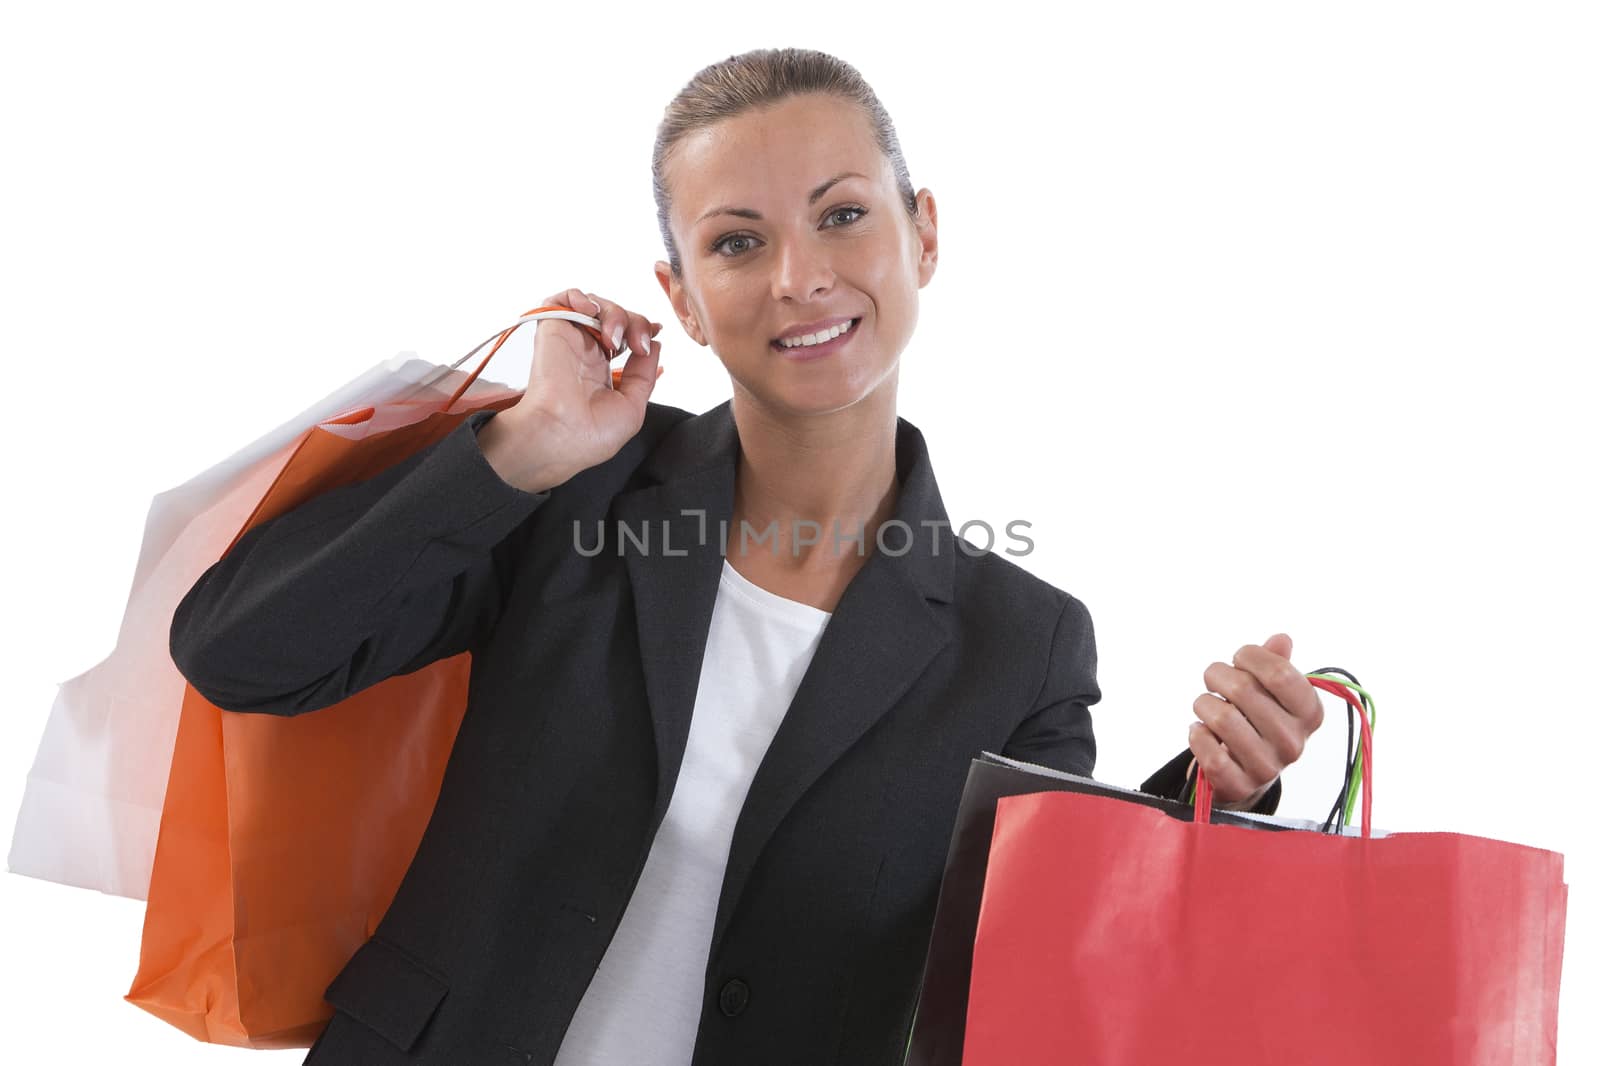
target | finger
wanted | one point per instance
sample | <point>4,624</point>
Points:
<point>1283,680</point>
<point>576,299</point>
<point>639,374</point>
<point>1280,730</point>
<point>613,323</point>
<point>1229,783</point>
<point>1280,644</point>
<point>587,303</point>
<point>1245,745</point>
<point>639,333</point>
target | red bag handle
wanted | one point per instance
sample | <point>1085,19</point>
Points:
<point>1202,787</point>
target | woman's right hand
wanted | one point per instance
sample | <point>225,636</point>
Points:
<point>570,418</point>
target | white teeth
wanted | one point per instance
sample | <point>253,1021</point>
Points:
<point>809,339</point>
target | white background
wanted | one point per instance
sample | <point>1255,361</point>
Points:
<point>1268,316</point>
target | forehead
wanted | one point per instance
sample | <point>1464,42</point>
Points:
<point>772,158</point>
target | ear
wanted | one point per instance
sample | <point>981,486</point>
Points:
<point>679,298</point>
<point>927,224</point>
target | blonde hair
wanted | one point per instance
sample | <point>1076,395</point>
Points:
<point>761,78</point>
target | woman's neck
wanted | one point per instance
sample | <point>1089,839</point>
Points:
<point>836,470</point>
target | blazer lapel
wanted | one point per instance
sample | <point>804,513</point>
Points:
<point>885,630</point>
<point>676,572</point>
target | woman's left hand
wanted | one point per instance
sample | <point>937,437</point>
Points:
<point>1254,721</point>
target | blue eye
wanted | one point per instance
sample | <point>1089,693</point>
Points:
<point>716,247</point>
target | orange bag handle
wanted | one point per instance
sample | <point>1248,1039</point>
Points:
<point>583,321</point>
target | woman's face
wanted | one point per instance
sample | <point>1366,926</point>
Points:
<point>769,242</point>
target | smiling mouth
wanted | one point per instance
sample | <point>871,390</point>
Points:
<point>855,324</point>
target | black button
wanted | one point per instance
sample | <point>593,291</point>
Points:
<point>735,998</point>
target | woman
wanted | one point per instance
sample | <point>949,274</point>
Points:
<point>698,807</point>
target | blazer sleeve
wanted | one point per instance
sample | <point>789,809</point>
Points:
<point>364,582</point>
<point>1058,731</point>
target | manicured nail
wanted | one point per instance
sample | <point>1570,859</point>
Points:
<point>616,338</point>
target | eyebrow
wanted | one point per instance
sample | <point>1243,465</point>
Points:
<point>816,194</point>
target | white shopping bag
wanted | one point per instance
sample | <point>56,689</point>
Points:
<point>92,803</point>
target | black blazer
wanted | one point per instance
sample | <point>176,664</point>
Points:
<point>584,676</point>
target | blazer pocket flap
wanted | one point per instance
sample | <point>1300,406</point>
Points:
<point>389,991</point>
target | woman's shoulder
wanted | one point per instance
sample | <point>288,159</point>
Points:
<point>990,581</point>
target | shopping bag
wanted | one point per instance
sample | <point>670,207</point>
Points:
<point>939,1025</point>
<point>92,801</point>
<point>282,841</point>
<point>1119,932</point>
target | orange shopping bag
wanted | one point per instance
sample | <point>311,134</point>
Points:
<point>284,839</point>
<point>91,806</point>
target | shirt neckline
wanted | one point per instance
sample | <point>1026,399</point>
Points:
<point>803,612</point>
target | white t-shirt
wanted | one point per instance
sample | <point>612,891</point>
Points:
<point>644,1002</point>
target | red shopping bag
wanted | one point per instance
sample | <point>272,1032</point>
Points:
<point>283,840</point>
<point>1112,932</point>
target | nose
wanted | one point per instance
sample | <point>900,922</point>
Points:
<point>802,271</point>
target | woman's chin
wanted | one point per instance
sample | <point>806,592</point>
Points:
<point>818,394</point>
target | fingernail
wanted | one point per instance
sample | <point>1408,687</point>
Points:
<point>616,338</point>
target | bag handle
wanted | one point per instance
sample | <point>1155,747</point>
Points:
<point>537,314</point>
<point>1203,793</point>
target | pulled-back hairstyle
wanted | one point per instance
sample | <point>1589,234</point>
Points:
<point>761,78</point>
